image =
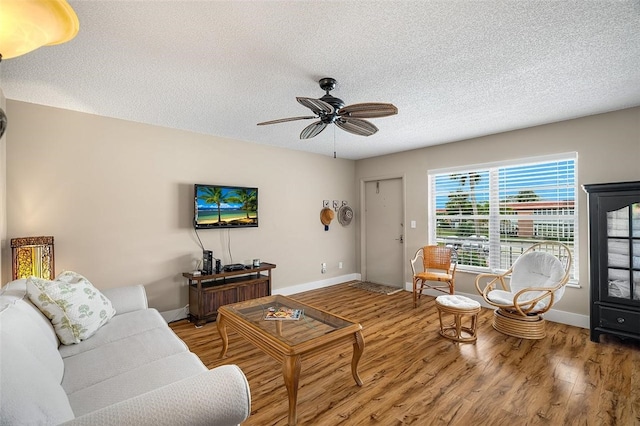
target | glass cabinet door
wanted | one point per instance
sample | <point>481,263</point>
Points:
<point>623,252</point>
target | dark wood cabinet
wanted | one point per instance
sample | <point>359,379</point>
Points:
<point>614,256</point>
<point>208,292</point>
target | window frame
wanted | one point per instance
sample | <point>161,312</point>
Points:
<point>494,218</point>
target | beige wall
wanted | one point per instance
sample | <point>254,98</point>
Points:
<point>116,195</point>
<point>608,147</point>
<point>118,198</point>
<point>4,244</point>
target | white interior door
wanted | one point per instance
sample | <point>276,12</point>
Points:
<point>384,232</point>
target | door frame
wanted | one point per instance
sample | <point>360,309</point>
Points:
<point>363,236</point>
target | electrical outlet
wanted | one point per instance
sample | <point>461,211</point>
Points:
<point>324,267</point>
<point>335,204</point>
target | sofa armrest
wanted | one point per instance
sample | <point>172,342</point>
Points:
<point>218,397</point>
<point>127,299</point>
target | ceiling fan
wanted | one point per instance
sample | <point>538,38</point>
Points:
<point>329,109</point>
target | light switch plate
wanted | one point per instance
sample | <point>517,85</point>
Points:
<point>325,203</point>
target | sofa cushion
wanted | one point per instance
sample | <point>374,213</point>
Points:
<point>119,327</point>
<point>25,326</point>
<point>135,382</point>
<point>14,294</point>
<point>75,307</point>
<point>119,357</point>
<point>31,392</point>
<point>15,289</point>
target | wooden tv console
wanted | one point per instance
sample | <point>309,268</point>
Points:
<point>208,292</point>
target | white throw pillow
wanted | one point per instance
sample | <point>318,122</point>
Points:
<point>75,307</point>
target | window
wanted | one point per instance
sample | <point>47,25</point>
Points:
<point>491,213</point>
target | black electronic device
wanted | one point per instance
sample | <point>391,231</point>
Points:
<point>218,266</point>
<point>207,262</point>
<point>234,267</point>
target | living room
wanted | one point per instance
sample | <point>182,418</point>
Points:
<point>102,186</point>
<point>128,220</point>
<point>117,194</point>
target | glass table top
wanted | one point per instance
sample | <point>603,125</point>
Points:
<point>313,322</point>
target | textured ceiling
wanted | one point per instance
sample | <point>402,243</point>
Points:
<point>454,69</point>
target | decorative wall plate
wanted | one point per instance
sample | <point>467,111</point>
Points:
<point>345,215</point>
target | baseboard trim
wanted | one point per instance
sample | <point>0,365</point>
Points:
<point>315,285</point>
<point>175,314</point>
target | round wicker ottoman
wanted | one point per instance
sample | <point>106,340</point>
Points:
<point>465,317</point>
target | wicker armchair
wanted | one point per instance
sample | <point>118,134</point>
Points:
<point>435,264</point>
<point>536,281</point>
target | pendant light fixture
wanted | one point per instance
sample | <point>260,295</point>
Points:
<point>26,25</point>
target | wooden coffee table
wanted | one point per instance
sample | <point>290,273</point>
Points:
<point>288,340</point>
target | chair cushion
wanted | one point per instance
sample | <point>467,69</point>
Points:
<point>536,269</point>
<point>533,269</point>
<point>506,298</point>
<point>433,276</point>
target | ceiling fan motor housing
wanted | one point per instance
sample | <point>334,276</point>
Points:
<point>327,84</point>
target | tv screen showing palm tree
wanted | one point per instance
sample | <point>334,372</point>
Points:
<point>218,206</point>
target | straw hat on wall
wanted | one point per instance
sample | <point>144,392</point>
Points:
<point>326,216</point>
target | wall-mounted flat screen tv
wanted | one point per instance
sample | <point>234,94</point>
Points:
<point>220,206</point>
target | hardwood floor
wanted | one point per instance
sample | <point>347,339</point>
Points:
<point>412,375</point>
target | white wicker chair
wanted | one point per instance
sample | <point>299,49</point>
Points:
<point>536,281</point>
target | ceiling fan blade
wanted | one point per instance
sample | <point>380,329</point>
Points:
<point>316,105</point>
<point>368,110</point>
<point>356,126</point>
<point>284,120</point>
<point>312,130</point>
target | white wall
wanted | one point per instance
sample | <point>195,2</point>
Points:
<point>608,147</point>
<point>118,198</point>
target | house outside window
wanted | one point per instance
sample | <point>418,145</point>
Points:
<point>491,213</point>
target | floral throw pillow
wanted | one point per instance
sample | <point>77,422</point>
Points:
<point>75,307</point>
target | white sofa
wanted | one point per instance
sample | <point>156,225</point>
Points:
<point>133,371</point>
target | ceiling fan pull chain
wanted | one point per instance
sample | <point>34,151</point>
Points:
<point>334,141</point>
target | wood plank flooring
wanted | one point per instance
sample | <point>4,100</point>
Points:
<point>414,376</point>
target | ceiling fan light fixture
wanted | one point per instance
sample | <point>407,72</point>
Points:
<point>26,25</point>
